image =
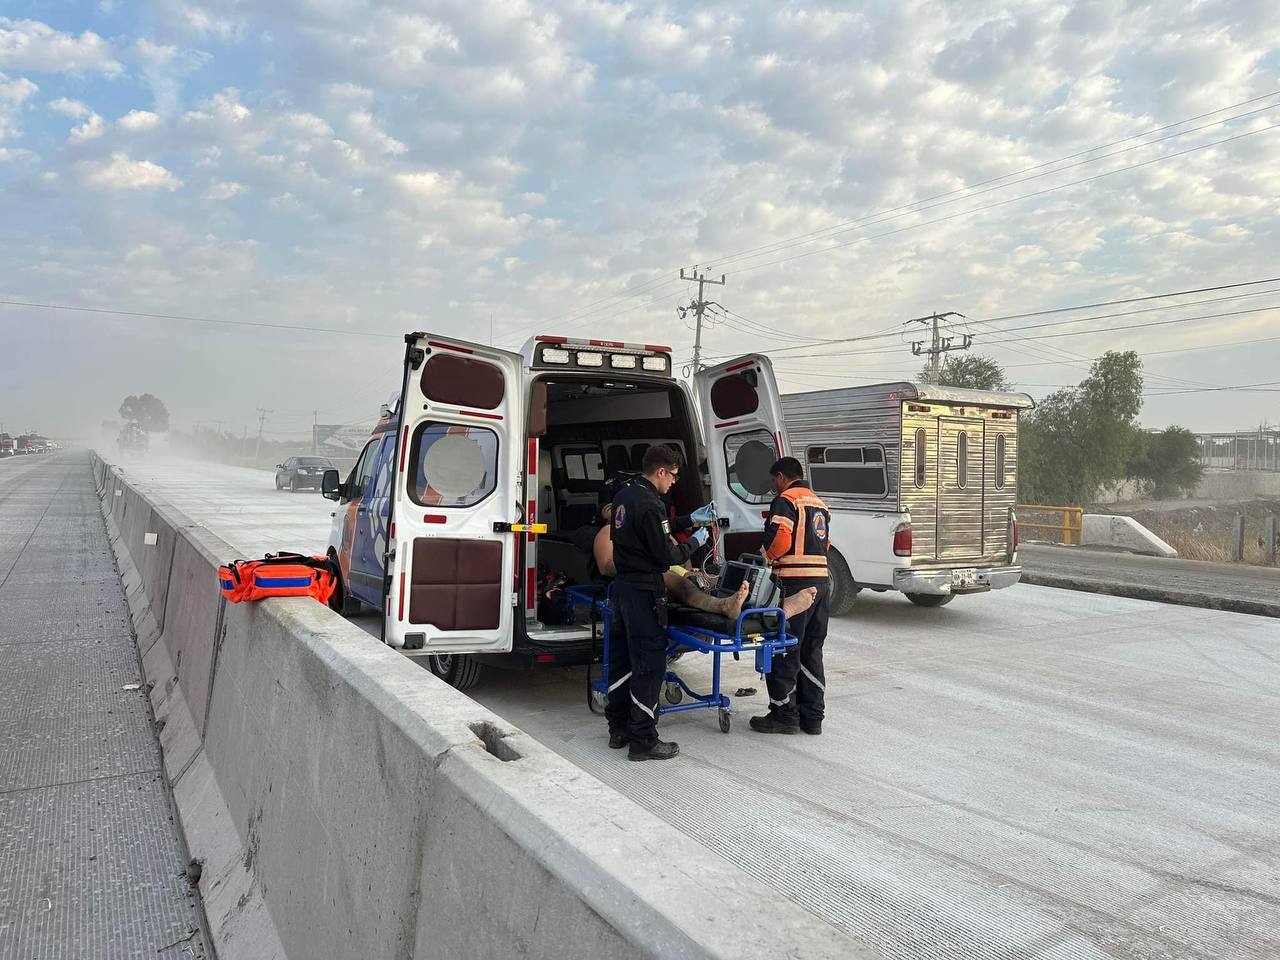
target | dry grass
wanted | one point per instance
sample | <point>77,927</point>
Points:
<point>1204,532</point>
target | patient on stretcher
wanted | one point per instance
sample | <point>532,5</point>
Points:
<point>681,590</point>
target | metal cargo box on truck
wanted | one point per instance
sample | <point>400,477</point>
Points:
<point>922,481</point>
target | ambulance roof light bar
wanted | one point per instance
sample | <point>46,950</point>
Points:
<point>585,354</point>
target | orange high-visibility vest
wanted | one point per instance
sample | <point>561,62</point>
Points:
<point>797,535</point>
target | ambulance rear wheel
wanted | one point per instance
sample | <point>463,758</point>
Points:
<point>930,599</point>
<point>844,589</point>
<point>456,669</point>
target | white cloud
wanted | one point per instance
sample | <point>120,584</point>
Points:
<point>70,108</point>
<point>13,94</point>
<point>121,173</point>
<point>165,68</point>
<point>32,45</point>
<point>224,190</point>
<point>421,184</point>
<point>16,91</point>
<point>136,120</point>
<point>91,129</point>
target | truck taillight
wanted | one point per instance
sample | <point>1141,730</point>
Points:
<point>1013,535</point>
<point>902,540</point>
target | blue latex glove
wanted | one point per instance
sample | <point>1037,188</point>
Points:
<point>700,536</point>
<point>705,514</point>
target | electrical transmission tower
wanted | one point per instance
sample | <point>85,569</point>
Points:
<point>698,307</point>
<point>939,344</point>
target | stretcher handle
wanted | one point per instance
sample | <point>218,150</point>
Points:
<point>782,619</point>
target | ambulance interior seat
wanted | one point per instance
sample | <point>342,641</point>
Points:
<point>579,497</point>
<point>638,450</point>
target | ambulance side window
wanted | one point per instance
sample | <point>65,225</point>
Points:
<point>362,471</point>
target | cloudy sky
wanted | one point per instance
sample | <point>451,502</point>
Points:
<point>498,169</point>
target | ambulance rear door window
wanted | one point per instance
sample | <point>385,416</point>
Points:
<point>452,465</point>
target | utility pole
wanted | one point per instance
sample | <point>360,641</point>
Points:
<point>262,419</point>
<point>315,431</point>
<point>698,307</point>
<point>939,344</point>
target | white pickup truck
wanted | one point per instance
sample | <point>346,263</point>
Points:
<point>922,483</point>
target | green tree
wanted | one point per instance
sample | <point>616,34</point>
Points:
<point>147,412</point>
<point>1082,439</point>
<point>970,371</point>
<point>1169,461</point>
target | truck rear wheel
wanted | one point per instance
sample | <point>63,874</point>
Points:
<point>930,599</point>
<point>456,669</point>
<point>844,589</point>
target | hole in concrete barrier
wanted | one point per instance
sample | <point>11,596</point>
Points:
<point>494,740</point>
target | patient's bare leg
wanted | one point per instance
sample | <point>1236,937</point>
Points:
<point>799,602</point>
<point>683,590</point>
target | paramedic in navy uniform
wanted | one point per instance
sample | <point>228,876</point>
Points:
<point>643,549</point>
<point>796,537</point>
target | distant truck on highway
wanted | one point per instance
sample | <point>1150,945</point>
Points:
<point>429,528</point>
<point>8,446</point>
<point>922,481</point>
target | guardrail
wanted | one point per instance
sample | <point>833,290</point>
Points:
<point>1070,523</point>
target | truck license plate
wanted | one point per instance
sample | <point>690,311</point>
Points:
<point>966,577</point>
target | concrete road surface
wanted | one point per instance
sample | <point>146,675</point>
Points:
<point>1238,587</point>
<point>91,865</point>
<point>1033,773</point>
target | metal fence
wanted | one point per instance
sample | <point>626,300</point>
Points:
<point>1245,450</point>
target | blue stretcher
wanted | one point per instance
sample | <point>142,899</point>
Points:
<point>765,645</point>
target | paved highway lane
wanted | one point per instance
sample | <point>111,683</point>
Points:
<point>90,864</point>
<point>1241,587</point>
<point>1030,773</point>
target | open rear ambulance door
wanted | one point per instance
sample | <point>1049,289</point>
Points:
<point>450,584</point>
<point>742,419</point>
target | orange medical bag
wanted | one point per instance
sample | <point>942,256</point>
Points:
<point>278,575</point>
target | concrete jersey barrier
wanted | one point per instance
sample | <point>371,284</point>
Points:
<point>346,803</point>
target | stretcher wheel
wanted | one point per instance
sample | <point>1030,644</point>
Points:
<point>724,720</point>
<point>673,693</point>
<point>596,701</point>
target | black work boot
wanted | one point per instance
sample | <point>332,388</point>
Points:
<point>658,751</point>
<point>771,724</point>
<point>618,740</point>
<point>812,727</point>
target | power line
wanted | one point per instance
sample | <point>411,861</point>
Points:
<point>1090,333</point>
<point>818,234</point>
<point>966,190</point>
<point>188,319</point>
<point>864,338</point>
<point>1000,203</point>
<point>970,192</point>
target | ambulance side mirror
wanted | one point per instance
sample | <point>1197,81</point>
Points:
<point>330,485</point>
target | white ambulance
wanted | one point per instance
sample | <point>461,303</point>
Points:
<point>469,492</point>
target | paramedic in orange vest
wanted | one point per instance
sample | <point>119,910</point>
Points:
<point>796,536</point>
